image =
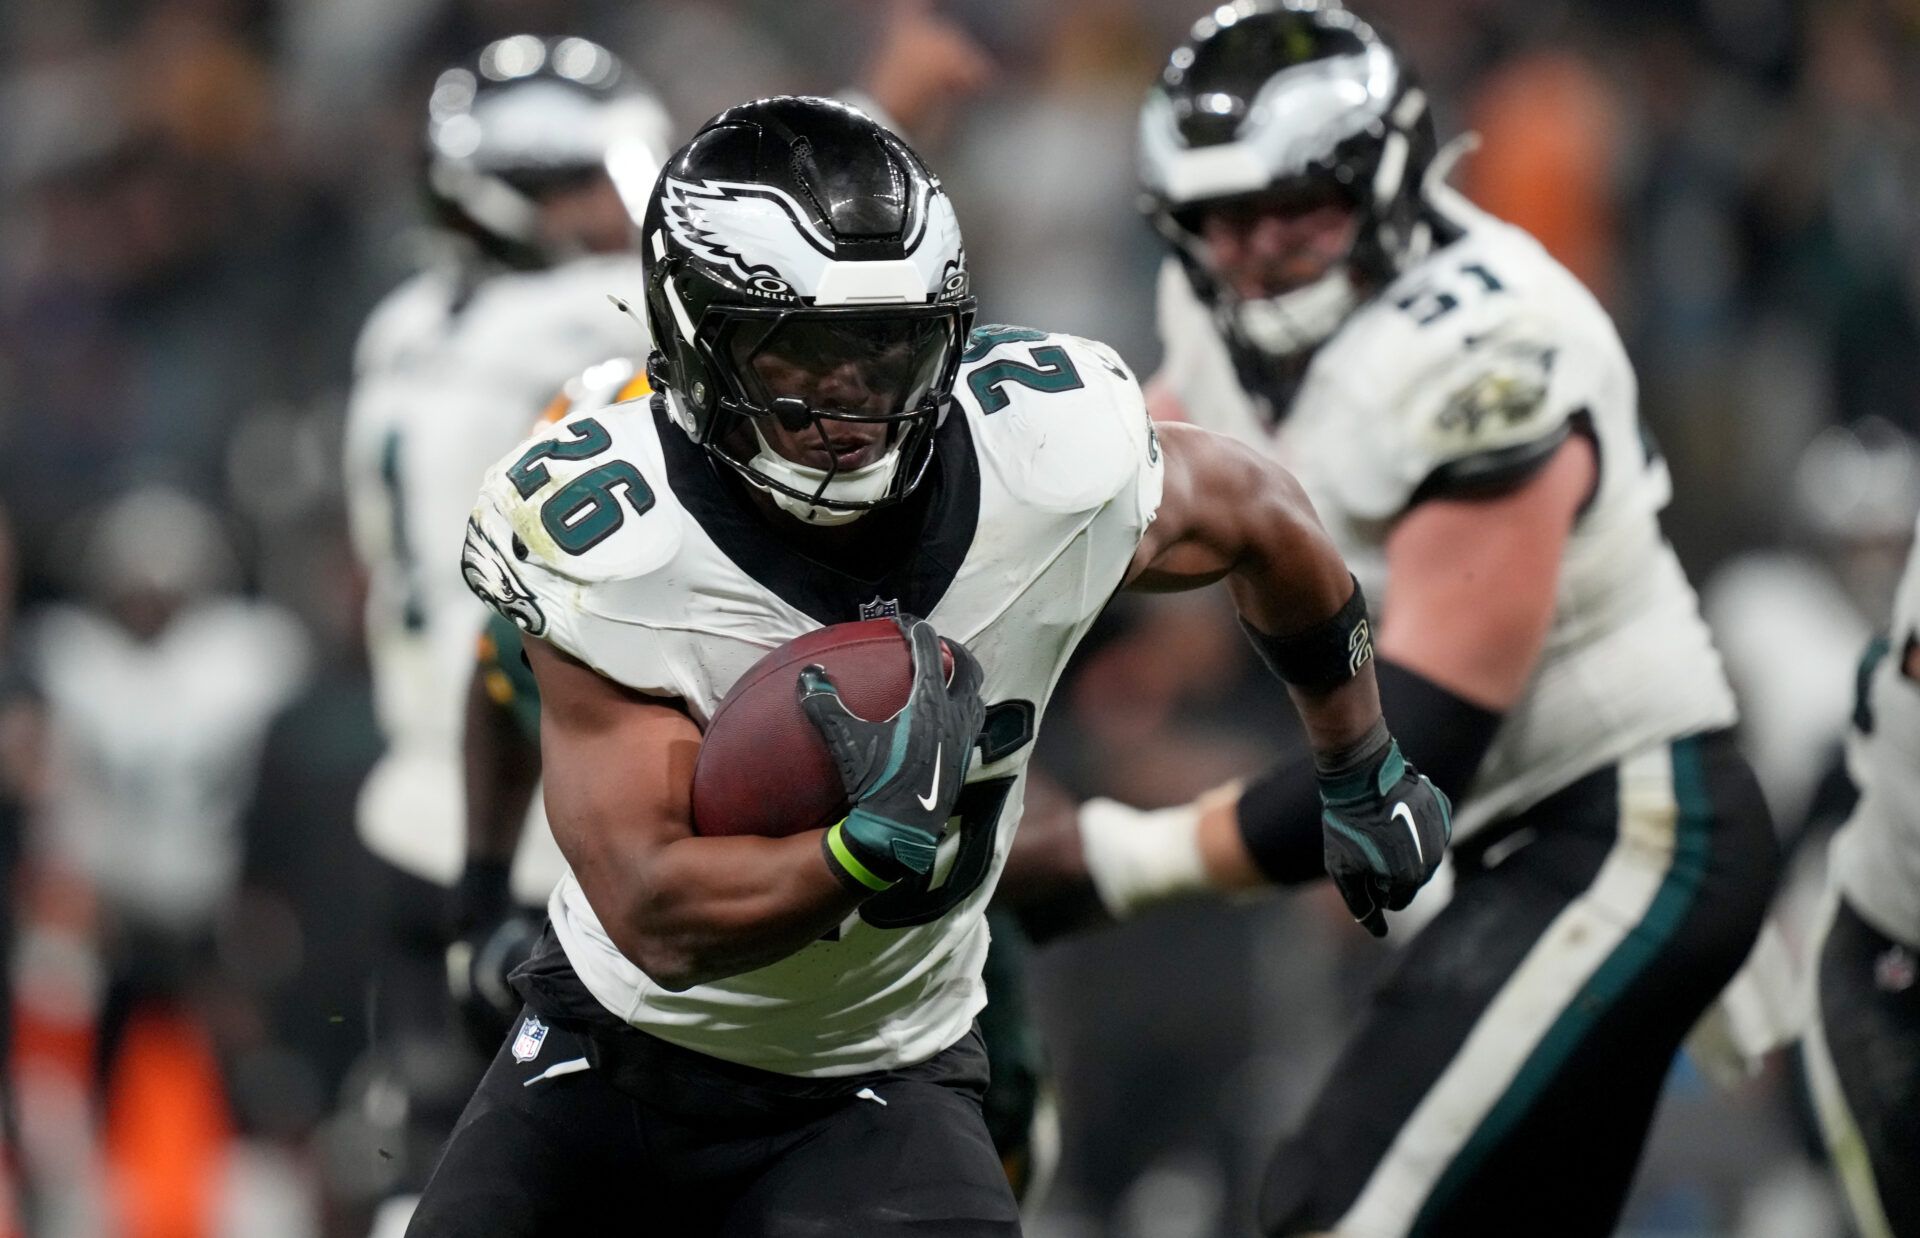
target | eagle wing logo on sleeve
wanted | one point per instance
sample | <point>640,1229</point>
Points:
<point>490,575</point>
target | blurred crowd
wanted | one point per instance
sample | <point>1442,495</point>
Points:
<point>200,200</point>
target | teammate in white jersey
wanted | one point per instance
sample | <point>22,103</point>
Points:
<point>771,1036</point>
<point>540,153</point>
<point>1863,1040</point>
<point>1462,415</point>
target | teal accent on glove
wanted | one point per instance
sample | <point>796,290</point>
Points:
<point>905,846</point>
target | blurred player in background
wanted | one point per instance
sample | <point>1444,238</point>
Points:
<point>1463,416</point>
<point>158,687</point>
<point>538,154</point>
<point>750,1035</point>
<point>1855,493</point>
<point>1862,1045</point>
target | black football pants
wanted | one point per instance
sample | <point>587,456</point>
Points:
<point>1506,1074</point>
<point>610,1131</point>
<point>1862,1057</point>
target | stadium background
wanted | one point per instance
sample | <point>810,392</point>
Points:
<point>201,199</point>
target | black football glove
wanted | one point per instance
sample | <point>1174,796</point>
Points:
<point>903,774</point>
<point>1385,829</point>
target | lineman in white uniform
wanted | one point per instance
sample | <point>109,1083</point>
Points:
<point>539,155</point>
<point>1463,416</point>
<point>1863,1039</point>
<point>771,1036</point>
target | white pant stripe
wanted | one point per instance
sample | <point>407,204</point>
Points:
<point>1566,956</point>
<point>1837,1125</point>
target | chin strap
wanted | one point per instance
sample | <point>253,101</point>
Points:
<point>1296,321</point>
<point>865,484</point>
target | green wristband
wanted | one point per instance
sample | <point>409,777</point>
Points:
<point>842,859</point>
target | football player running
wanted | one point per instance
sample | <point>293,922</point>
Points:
<point>1462,415</point>
<point>539,156</point>
<point>747,1035</point>
<point>1862,1046</point>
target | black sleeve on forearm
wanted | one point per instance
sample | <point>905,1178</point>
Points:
<point>1443,736</point>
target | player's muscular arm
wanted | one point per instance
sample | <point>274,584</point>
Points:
<point>1473,588</point>
<point>619,784</point>
<point>1475,581</point>
<point>1228,512</point>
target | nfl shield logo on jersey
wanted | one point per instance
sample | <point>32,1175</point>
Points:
<point>880,608</point>
<point>526,1046</point>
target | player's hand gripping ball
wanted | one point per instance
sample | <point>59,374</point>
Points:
<point>764,767</point>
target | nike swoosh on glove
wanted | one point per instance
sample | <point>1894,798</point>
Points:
<point>1385,829</point>
<point>902,774</point>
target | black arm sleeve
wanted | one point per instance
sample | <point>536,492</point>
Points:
<point>1444,737</point>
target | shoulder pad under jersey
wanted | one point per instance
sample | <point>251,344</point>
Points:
<point>613,381</point>
<point>582,502</point>
<point>1061,419</point>
<point>1464,376</point>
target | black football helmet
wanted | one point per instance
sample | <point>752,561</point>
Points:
<point>1278,96</point>
<point>805,271</point>
<point>528,115</point>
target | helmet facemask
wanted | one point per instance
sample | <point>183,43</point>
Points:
<point>832,412</point>
<point>807,291</point>
<point>1300,314</point>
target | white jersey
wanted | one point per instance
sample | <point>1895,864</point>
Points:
<point>612,537</point>
<point>1478,362</point>
<point>154,746</point>
<point>1876,855</point>
<point>448,375</point>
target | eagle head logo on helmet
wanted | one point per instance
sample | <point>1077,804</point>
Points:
<point>808,294</point>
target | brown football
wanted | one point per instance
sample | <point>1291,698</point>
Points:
<point>763,766</point>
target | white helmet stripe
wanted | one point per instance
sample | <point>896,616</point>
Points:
<point>679,310</point>
<point>1393,167</point>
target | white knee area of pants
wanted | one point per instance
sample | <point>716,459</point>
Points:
<point>391,1220</point>
<point>1043,1153</point>
<point>1841,1132</point>
<point>1139,858</point>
